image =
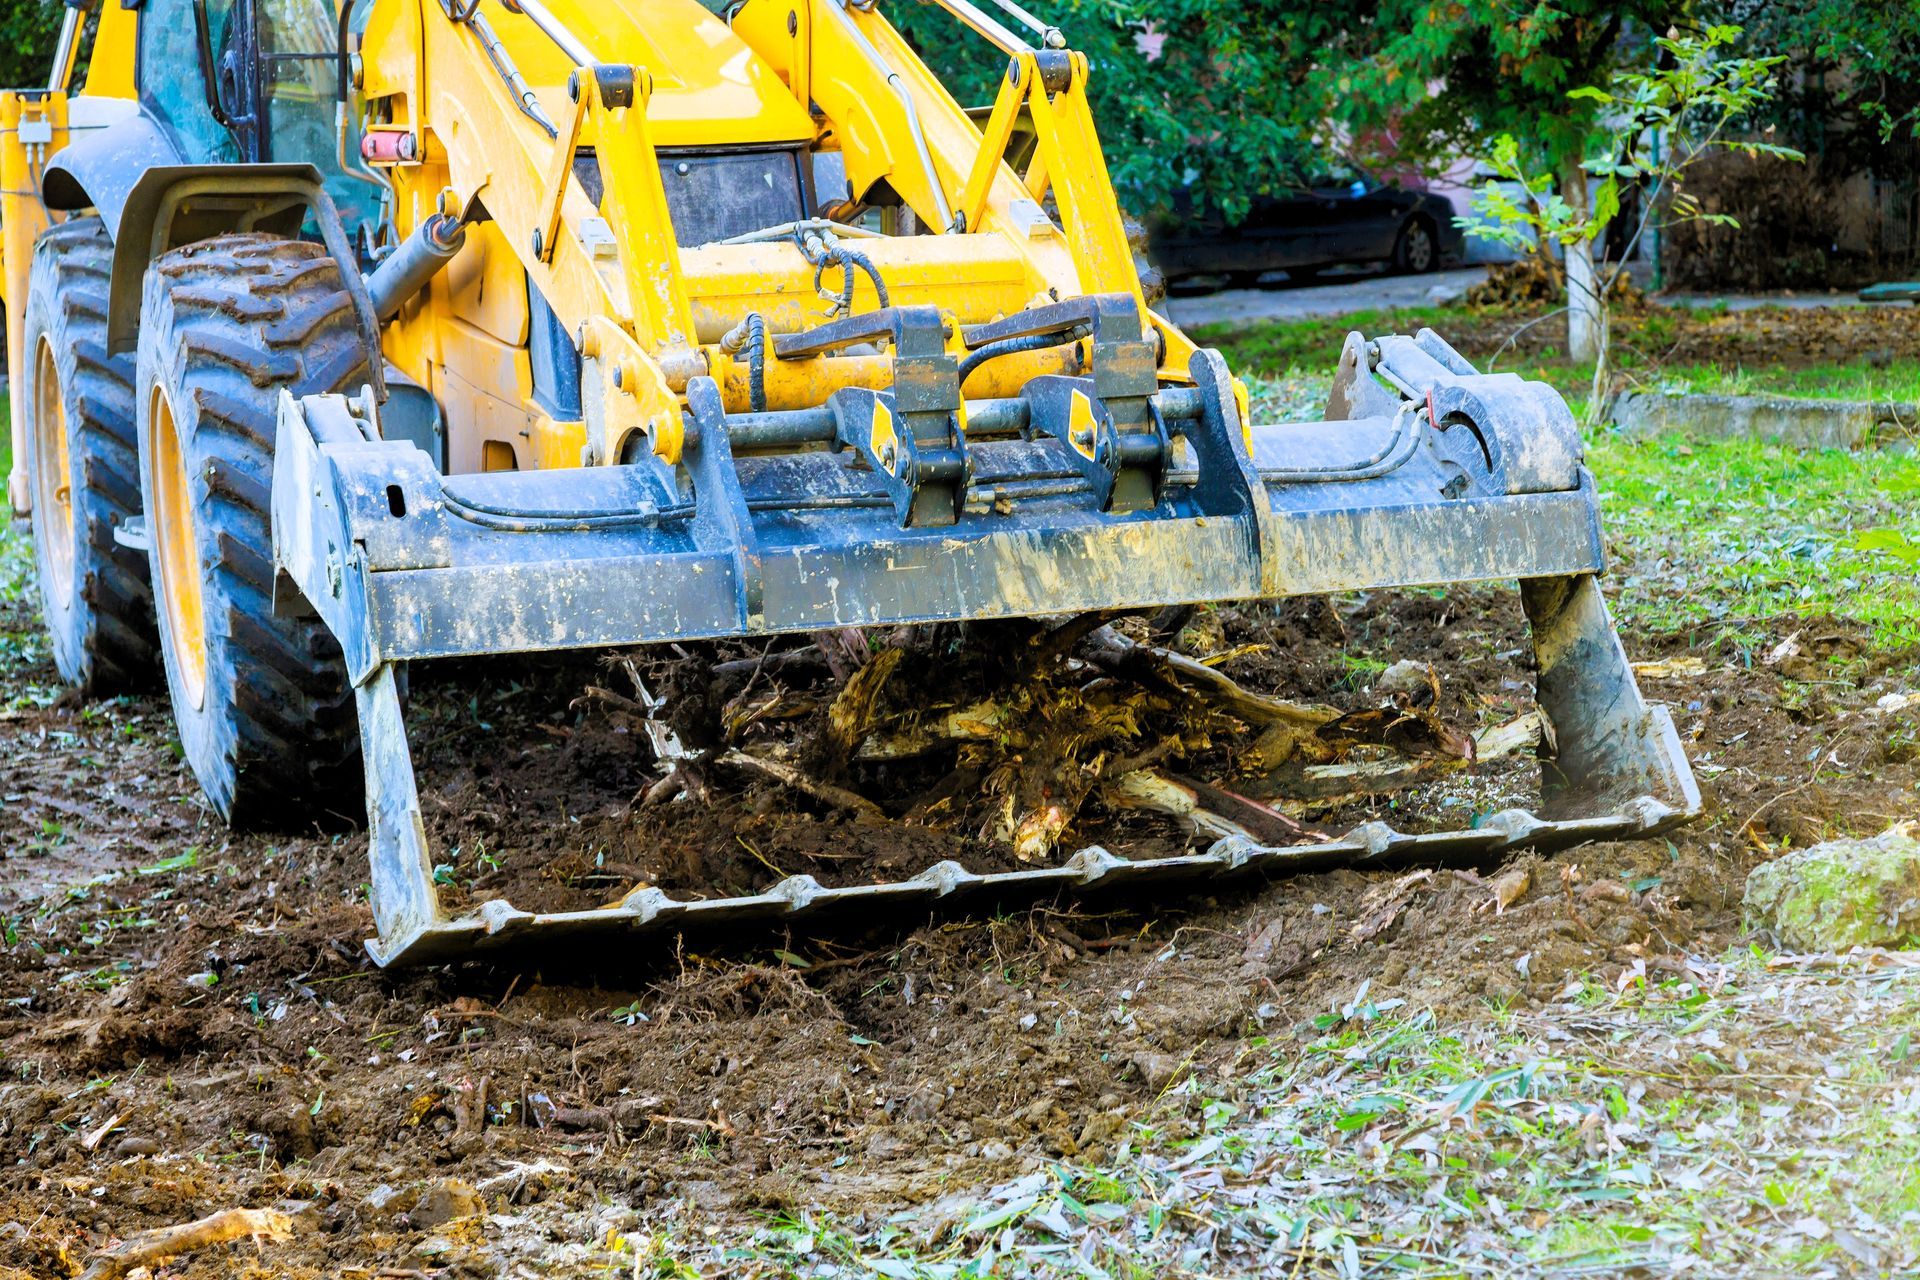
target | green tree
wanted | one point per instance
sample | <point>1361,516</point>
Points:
<point>1432,80</point>
<point>1653,127</point>
<point>1203,97</point>
<point>28,30</point>
<point>1857,72</point>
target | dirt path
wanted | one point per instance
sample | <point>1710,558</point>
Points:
<point>188,1021</point>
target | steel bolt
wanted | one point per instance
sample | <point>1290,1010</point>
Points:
<point>887,456</point>
<point>620,376</point>
<point>539,243</point>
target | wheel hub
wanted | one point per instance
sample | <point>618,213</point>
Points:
<point>176,552</point>
<point>52,475</point>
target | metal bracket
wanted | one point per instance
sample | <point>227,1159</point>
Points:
<point>914,436</point>
<point>132,534</point>
<point>559,173</point>
<point>720,518</point>
<point>1107,421</point>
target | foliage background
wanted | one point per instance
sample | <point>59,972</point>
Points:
<point>1215,103</point>
<point>28,29</point>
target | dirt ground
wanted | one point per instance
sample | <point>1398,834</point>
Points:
<point>188,1021</point>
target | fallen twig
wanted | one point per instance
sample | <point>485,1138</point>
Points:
<point>810,656</point>
<point>1355,779</point>
<point>1194,804</point>
<point>1150,664</point>
<point>722,1126</point>
<point>151,1248</point>
<point>469,1102</point>
<point>1269,826</point>
<point>787,775</point>
<point>99,1135</point>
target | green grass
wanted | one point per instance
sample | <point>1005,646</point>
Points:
<point>1724,534</point>
<point>1308,347</point>
<point>6,452</point>
<point>1312,343</point>
<point>1897,381</point>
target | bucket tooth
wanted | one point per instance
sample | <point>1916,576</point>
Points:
<point>1609,745</point>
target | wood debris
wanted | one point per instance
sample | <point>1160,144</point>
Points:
<point>151,1248</point>
<point>1041,722</point>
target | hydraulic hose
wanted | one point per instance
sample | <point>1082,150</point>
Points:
<point>847,259</point>
<point>751,333</point>
<point>1398,451</point>
<point>1014,346</point>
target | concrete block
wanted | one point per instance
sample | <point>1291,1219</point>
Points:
<point>1803,424</point>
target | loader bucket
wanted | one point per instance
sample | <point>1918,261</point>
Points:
<point>1102,492</point>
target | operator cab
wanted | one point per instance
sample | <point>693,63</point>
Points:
<point>258,81</point>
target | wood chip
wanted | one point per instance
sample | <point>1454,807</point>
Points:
<point>1508,888</point>
<point>99,1135</point>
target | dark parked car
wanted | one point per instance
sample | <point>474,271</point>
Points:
<point>1336,216</point>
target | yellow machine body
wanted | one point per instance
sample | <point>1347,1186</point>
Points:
<point>656,310</point>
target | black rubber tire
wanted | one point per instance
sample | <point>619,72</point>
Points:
<point>1405,248</point>
<point>226,325</point>
<point>99,611</point>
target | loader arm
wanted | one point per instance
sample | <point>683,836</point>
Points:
<point>649,312</point>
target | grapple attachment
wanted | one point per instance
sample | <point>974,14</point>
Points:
<point>911,505</point>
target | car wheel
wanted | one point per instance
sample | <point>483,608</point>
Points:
<point>1417,251</point>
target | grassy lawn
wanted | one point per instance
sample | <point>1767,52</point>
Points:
<point>1717,536</point>
<point>1897,382</point>
<point>1660,349</point>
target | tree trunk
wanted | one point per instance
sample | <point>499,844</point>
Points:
<point>1586,321</point>
<point>1586,316</point>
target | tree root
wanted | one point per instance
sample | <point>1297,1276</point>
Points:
<point>788,776</point>
<point>151,1248</point>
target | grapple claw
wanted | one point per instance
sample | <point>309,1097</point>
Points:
<point>1439,474</point>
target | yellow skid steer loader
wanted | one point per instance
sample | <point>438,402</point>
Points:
<point>346,337</point>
